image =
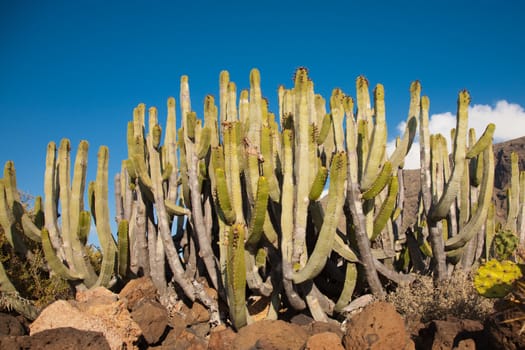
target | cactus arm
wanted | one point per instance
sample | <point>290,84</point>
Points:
<point>441,208</point>
<point>51,199</point>
<point>387,208</point>
<point>184,170</point>
<point>224,79</point>
<point>485,197</point>
<point>11,213</point>
<point>232,168</point>
<point>244,110</point>
<point>424,141</point>
<point>258,214</point>
<point>353,202</point>
<point>256,114</point>
<point>165,243</point>
<point>107,241</point>
<point>224,197</point>
<point>7,222</point>
<point>204,143</point>
<point>403,147</point>
<point>521,213</point>
<point>341,248</point>
<point>325,129</point>
<point>254,280</point>
<point>348,288</point>
<point>141,170</point>
<point>302,164</point>
<point>138,232</point>
<point>29,229</point>
<point>513,194</point>
<point>84,226</point>
<point>79,220</point>
<point>38,213</point>
<point>236,276</point>
<point>170,142</point>
<point>464,201</point>
<point>482,143</point>
<point>269,164</point>
<point>78,186</point>
<point>123,248</point>
<point>53,261</point>
<point>377,149</point>
<point>64,194</point>
<point>410,130</point>
<point>326,237</point>
<point>382,179</point>
<point>287,211</point>
<point>337,109</point>
<point>174,209</point>
<point>319,183</point>
<point>363,99</point>
<point>197,217</point>
<point>287,222</point>
<point>362,146</point>
<point>120,196</point>
<point>398,278</point>
<point>490,230</point>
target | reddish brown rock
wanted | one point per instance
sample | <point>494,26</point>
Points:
<point>324,341</point>
<point>268,334</point>
<point>99,295</point>
<point>10,325</point>
<point>110,318</point>
<point>321,327</point>
<point>178,323</point>
<point>152,319</point>
<point>221,338</point>
<point>182,341</point>
<point>56,339</point>
<point>377,327</point>
<point>137,290</point>
<point>196,314</point>
<point>466,344</point>
<point>452,333</point>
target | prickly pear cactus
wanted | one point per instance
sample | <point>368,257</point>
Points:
<point>505,244</point>
<point>494,279</point>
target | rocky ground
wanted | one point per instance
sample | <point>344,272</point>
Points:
<point>134,319</point>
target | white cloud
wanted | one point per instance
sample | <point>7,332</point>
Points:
<point>508,117</point>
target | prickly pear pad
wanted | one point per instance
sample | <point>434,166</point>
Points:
<point>494,279</point>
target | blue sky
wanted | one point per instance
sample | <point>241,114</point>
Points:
<point>76,69</point>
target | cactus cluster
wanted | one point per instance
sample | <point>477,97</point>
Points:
<point>232,200</point>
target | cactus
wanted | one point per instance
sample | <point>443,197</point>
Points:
<point>441,187</point>
<point>325,240</point>
<point>66,242</point>
<point>10,298</point>
<point>236,276</point>
<point>14,219</point>
<point>495,279</point>
<point>505,243</point>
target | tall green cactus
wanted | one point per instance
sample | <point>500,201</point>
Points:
<point>441,187</point>
<point>14,219</point>
<point>66,242</point>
